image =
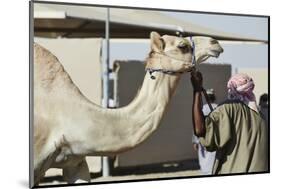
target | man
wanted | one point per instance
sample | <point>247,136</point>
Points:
<point>235,129</point>
<point>206,159</point>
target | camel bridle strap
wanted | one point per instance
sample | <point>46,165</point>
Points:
<point>172,72</point>
<point>164,71</point>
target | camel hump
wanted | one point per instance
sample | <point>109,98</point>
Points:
<point>47,68</point>
<point>43,56</point>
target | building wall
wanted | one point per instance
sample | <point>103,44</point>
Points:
<point>81,59</point>
<point>172,141</point>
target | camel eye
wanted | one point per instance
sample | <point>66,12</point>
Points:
<point>184,44</point>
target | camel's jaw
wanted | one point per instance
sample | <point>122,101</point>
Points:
<point>214,52</point>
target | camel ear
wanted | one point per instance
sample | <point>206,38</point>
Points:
<point>157,43</point>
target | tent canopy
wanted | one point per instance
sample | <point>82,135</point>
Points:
<point>54,20</point>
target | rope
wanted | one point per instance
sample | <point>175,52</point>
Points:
<point>194,63</point>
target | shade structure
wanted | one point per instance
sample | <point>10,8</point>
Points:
<point>56,20</point>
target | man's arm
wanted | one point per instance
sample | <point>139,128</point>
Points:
<point>197,114</point>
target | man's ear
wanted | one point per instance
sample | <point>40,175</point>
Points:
<point>157,43</point>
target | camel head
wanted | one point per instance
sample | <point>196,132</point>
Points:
<point>176,53</point>
<point>206,47</point>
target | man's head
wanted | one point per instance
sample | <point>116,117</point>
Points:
<point>240,87</point>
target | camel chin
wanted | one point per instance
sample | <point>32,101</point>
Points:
<point>214,53</point>
<point>202,59</point>
<point>211,53</point>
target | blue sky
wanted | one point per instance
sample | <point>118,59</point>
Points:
<point>238,55</point>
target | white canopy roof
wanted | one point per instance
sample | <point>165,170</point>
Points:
<point>53,20</point>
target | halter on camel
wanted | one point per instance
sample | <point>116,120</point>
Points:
<point>172,72</point>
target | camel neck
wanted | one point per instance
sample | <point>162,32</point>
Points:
<point>150,105</point>
<point>154,93</point>
<point>117,130</point>
<point>137,121</point>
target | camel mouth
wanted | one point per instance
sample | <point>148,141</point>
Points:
<point>188,67</point>
<point>215,53</point>
<point>212,53</point>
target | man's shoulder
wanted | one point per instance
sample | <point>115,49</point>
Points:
<point>236,106</point>
<point>229,102</point>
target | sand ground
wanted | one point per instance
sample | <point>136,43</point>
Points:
<point>98,178</point>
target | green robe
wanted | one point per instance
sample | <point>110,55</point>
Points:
<point>239,135</point>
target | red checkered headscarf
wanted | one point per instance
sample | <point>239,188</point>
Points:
<point>240,87</point>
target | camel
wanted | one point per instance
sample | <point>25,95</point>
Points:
<point>68,127</point>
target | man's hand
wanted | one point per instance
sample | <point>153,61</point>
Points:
<point>197,81</point>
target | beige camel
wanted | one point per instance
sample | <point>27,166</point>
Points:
<point>68,127</point>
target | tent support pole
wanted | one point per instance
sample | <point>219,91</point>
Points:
<point>105,159</point>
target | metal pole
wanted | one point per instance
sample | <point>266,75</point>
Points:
<point>105,160</point>
<point>106,65</point>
